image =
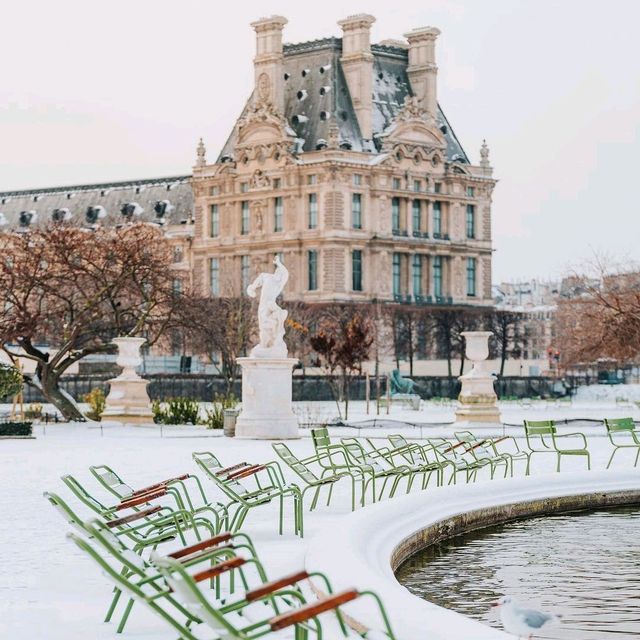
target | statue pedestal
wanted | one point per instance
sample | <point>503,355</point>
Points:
<point>478,400</point>
<point>128,400</point>
<point>267,412</point>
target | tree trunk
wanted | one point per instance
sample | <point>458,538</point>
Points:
<point>50,387</point>
<point>463,359</point>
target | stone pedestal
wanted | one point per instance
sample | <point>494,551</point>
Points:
<point>128,400</point>
<point>267,412</point>
<point>478,400</point>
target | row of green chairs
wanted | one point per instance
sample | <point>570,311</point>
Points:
<point>245,607</point>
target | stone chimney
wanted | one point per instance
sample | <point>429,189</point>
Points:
<point>357,64</point>
<point>422,69</point>
<point>269,62</point>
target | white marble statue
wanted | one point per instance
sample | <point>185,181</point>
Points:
<point>271,317</point>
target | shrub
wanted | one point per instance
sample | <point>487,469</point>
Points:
<point>33,411</point>
<point>97,402</point>
<point>16,429</point>
<point>10,380</point>
<point>214,417</point>
<point>175,411</point>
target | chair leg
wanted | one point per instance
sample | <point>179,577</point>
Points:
<point>316,495</point>
<point>330,493</point>
<point>613,453</point>
<point>588,461</point>
<point>637,457</point>
<point>114,602</point>
<point>125,616</point>
<point>559,459</point>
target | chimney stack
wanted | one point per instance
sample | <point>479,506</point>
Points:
<point>357,64</point>
<point>269,62</point>
<point>422,69</point>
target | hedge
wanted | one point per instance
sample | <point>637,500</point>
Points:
<point>16,428</point>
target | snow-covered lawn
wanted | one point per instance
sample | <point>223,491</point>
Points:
<point>49,591</point>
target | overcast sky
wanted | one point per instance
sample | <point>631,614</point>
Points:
<point>96,91</point>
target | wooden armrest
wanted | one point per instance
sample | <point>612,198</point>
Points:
<point>275,585</point>
<point>145,497</point>
<point>311,610</point>
<point>158,485</point>
<point>233,468</point>
<point>243,473</point>
<point>133,516</point>
<point>199,546</point>
<point>475,446</point>
<point>455,446</point>
<point>501,439</point>
<point>219,569</point>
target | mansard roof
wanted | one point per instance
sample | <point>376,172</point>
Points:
<point>75,201</point>
<point>316,96</point>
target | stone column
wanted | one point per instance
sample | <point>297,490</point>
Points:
<point>128,400</point>
<point>478,400</point>
<point>422,69</point>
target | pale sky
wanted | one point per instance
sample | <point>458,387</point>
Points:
<point>96,91</point>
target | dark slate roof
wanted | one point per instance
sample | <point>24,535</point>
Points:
<point>110,195</point>
<point>316,95</point>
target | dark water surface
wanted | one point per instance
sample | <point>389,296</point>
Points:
<point>584,566</point>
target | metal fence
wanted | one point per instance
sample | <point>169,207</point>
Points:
<point>204,387</point>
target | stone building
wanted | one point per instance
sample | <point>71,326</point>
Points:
<point>343,162</point>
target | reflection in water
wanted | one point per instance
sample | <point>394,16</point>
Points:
<point>585,567</point>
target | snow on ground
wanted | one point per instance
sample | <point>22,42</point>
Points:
<point>48,590</point>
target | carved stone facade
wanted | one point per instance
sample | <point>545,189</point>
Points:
<point>345,165</point>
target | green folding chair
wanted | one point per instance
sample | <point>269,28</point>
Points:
<point>480,453</point>
<point>269,485</point>
<point>302,468</point>
<point>542,437</point>
<point>176,488</point>
<point>622,434</point>
<point>513,455</point>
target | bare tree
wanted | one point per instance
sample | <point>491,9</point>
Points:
<point>507,327</point>
<point>75,290</point>
<point>343,341</point>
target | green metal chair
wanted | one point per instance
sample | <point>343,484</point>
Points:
<point>543,437</point>
<point>302,468</point>
<point>269,485</point>
<point>154,519</point>
<point>176,488</point>
<point>410,457</point>
<point>419,454</point>
<point>454,455</point>
<point>480,453</point>
<point>514,455</point>
<point>304,619</point>
<point>622,434</point>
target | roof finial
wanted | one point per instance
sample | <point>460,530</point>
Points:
<point>201,153</point>
<point>484,159</point>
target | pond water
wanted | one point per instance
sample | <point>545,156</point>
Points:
<point>583,566</point>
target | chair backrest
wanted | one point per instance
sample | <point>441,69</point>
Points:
<point>320,437</point>
<point>619,424</point>
<point>65,511</point>
<point>359,456</point>
<point>111,481</point>
<point>540,427</point>
<point>294,463</point>
<point>211,466</point>
<point>465,436</point>
<point>397,440</point>
<point>83,495</point>
<point>186,591</point>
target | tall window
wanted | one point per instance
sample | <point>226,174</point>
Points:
<point>471,276</point>
<point>312,179</point>
<point>471,192</point>
<point>396,184</point>
<point>471,221</point>
<point>437,218</point>
<point>437,187</point>
<point>214,229</point>
<point>417,274</point>
<point>244,218</point>
<point>357,179</point>
<point>244,187</point>
<point>277,214</point>
<point>356,270</point>
<point>214,276</point>
<point>313,210</point>
<point>214,191</point>
<point>437,276</point>
<point>312,260</point>
<point>417,185</point>
<point>244,273</point>
<point>417,215</point>
<point>356,210</point>
<point>395,214</point>
<point>396,274</point>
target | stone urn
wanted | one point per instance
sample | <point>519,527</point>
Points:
<point>128,400</point>
<point>477,400</point>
